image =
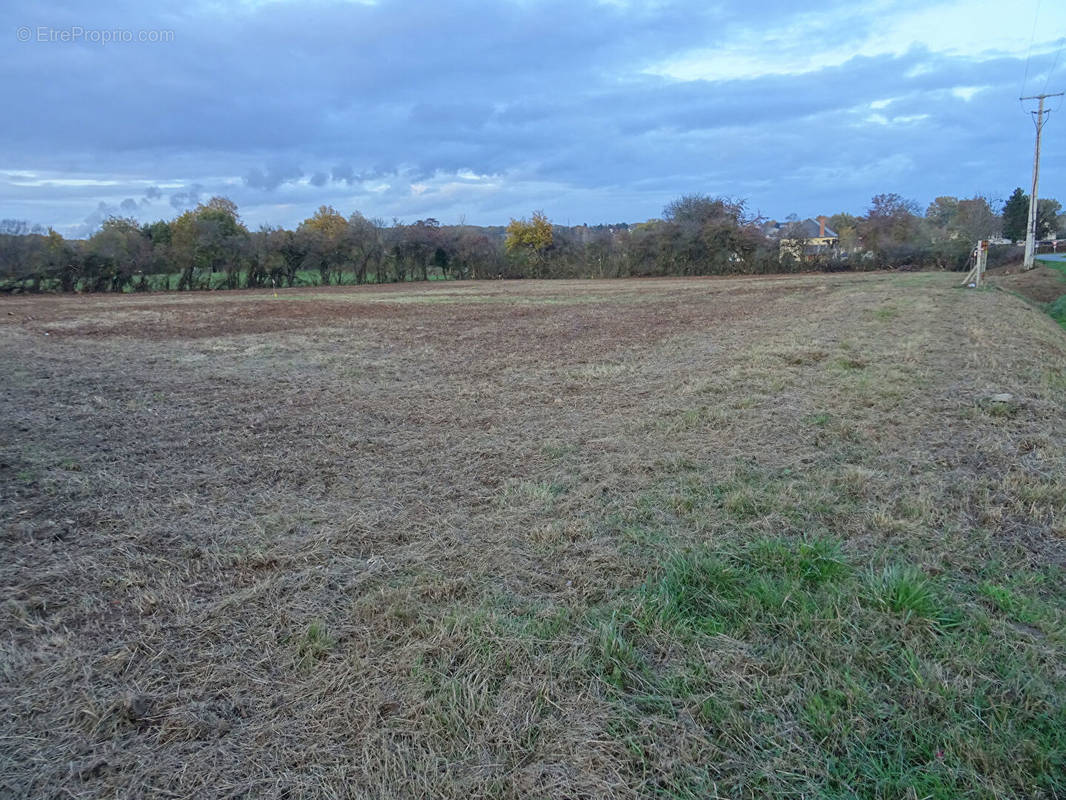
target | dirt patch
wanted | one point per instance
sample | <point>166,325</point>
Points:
<point>523,314</point>
<point>1040,284</point>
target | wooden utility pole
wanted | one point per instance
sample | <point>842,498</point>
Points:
<point>1030,230</point>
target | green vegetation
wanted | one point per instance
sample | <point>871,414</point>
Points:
<point>208,247</point>
<point>1057,308</point>
<point>314,645</point>
<point>805,673</point>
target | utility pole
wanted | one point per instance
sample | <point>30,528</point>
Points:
<point>1030,230</point>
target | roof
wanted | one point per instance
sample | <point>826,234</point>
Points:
<point>809,229</point>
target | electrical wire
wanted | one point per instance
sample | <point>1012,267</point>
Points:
<point>1054,64</point>
<point>1028,56</point>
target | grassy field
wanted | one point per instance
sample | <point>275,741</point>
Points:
<point>1057,307</point>
<point>744,538</point>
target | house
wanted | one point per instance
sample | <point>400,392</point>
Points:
<point>808,238</point>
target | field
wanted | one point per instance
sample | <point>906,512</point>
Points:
<point>738,538</point>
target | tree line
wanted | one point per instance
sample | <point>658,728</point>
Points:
<point>209,247</point>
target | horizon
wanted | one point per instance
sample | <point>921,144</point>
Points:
<point>594,112</point>
<point>761,221</point>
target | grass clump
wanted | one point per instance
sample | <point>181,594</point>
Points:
<point>907,591</point>
<point>775,582</point>
<point>314,645</point>
<point>613,657</point>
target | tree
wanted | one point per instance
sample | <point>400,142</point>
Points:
<point>365,245</point>
<point>530,238</point>
<point>326,221</point>
<point>322,237</point>
<point>970,220</point>
<point>696,210</point>
<point>120,251</point>
<point>1016,215</point>
<point>423,243</point>
<point>890,222</point>
<point>942,212</point>
<point>1047,217</point>
<point>208,238</point>
<point>847,230</point>
<point>62,261</point>
<point>975,219</point>
<point>475,254</point>
<point>704,235</point>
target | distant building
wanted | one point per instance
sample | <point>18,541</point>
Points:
<point>804,239</point>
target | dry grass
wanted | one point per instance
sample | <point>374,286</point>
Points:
<point>529,539</point>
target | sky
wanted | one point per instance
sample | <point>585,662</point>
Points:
<point>594,111</point>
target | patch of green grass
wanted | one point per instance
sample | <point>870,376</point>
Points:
<point>538,492</point>
<point>1055,264</point>
<point>700,591</point>
<point>1008,601</point>
<point>1003,409</point>
<point>802,356</point>
<point>1055,379</point>
<point>907,591</point>
<point>813,561</point>
<point>314,645</point>
<point>850,681</point>
<point>745,502</point>
<point>1022,604</point>
<point>886,313</point>
<point>613,657</point>
<point>716,593</point>
<point>692,419</point>
<point>850,364</point>
<point>747,499</point>
<point>1057,310</point>
<point>557,450</point>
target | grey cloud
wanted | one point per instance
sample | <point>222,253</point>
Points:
<point>187,198</point>
<point>343,172</point>
<point>272,177</point>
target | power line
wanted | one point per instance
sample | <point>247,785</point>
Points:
<point>1028,55</point>
<point>1054,64</point>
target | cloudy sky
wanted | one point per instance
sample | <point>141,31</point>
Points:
<point>592,110</point>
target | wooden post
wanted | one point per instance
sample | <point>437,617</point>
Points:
<point>980,261</point>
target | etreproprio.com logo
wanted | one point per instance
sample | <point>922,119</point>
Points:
<point>47,34</point>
